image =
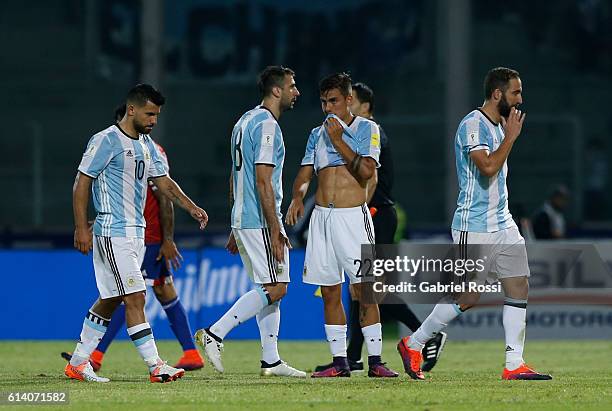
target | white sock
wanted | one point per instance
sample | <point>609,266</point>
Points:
<point>440,317</point>
<point>372,335</point>
<point>93,330</point>
<point>245,308</point>
<point>268,321</point>
<point>142,337</point>
<point>514,314</point>
<point>336,336</point>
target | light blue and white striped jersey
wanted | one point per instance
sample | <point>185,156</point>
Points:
<point>482,205</point>
<point>361,135</point>
<point>120,167</point>
<point>256,139</point>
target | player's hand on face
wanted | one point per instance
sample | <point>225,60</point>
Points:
<point>514,124</point>
<point>295,211</point>
<point>83,240</point>
<point>200,216</point>
<point>334,129</point>
<point>169,251</point>
<point>231,245</point>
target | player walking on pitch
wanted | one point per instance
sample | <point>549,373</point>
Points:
<point>483,142</point>
<point>344,153</point>
<point>119,161</point>
<point>384,219</point>
<point>160,259</point>
<point>258,154</point>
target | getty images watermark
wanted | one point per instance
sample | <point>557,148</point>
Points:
<point>459,267</point>
<point>427,273</point>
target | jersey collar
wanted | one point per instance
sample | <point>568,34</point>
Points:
<point>261,106</point>
<point>126,134</point>
<point>487,117</point>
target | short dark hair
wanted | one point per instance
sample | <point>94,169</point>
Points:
<point>341,81</point>
<point>364,94</point>
<point>498,78</point>
<point>141,93</point>
<point>119,112</point>
<point>272,76</point>
<point>559,190</point>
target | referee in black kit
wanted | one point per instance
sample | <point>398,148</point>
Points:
<point>384,217</point>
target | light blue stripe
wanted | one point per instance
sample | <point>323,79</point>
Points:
<point>140,185</point>
<point>262,295</point>
<point>501,184</point>
<point>97,327</point>
<point>103,153</point>
<point>251,216</point>
<point>457,309</point>
<point>143,340</point>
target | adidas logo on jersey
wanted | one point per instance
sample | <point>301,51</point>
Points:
<point>129,154</point>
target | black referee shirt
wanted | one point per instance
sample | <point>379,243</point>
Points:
<point>382,196</point>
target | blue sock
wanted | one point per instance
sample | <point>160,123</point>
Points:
<point>116,323</point>
<point>179,323</point>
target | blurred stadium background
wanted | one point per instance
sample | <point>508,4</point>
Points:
<point>65,65</point>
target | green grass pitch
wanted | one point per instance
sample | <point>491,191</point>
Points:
<point>467,378</point>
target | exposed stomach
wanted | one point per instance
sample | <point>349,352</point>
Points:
<point>338,187</point>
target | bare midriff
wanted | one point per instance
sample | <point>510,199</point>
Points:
<point>337,187</point>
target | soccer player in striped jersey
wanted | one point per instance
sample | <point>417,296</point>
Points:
<point>384,218</point>
<point>483,143</point>
<point>258,154</point>
<point>160,259</point>
<point>118,161</point>
<point>344,152</point>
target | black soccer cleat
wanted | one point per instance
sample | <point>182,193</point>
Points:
<point>432,350</point>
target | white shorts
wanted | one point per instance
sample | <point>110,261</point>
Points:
<point>255,250</point>
<point>117,262</point>
<point>505,251</point>
<point>334,244</point>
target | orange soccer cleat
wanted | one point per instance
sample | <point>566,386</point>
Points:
<point>412,359</point>
<point>83,372</point>
<point>190,361</point>
<point>95,360</point>
<point>524,373</point>
<point>164,373</point>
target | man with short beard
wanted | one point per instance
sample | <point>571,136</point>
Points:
<point>257,232</point>
<point>483,142</point>
<point>118,163</point>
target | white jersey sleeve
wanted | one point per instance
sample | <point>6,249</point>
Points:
<point>473,135</point>
<point>266,139</point>
<point>163,155</point>
<point>158,167</point>
<point>309,154</point>
<point>97,155</point>
<point>368,142</point>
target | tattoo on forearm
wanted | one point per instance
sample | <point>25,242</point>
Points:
<point>174,194</point>
<point>174,197</point>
